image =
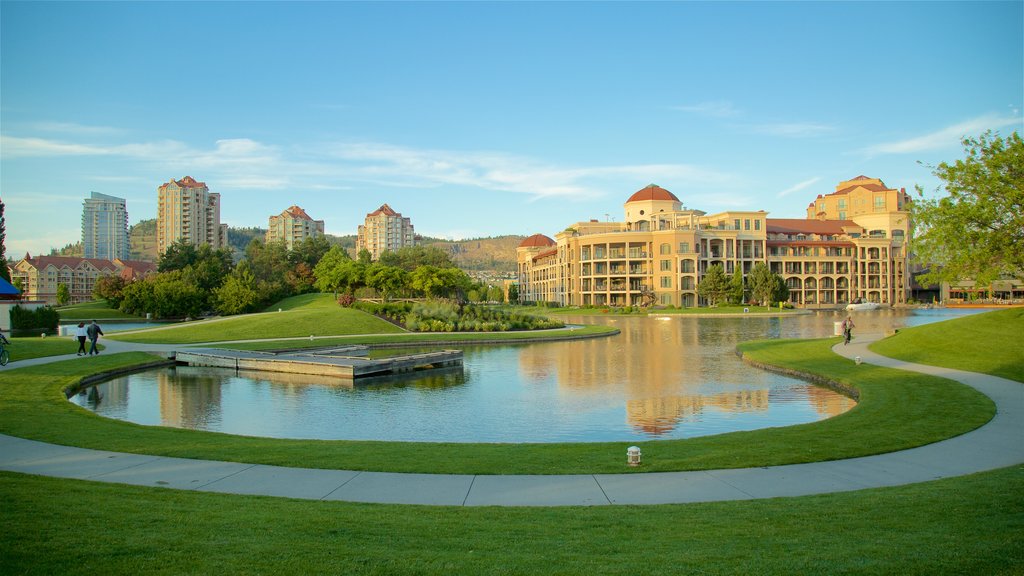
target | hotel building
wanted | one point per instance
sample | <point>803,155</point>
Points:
<point>851,247</point>
<point>292,227</point>
<point>41,275</point>
<point>384,231</point>
<point>187,210</point>
<point>104,227</point>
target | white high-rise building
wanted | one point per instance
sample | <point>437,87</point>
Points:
<point>105,227</point>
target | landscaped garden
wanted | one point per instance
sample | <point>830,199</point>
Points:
<point>962,525</point>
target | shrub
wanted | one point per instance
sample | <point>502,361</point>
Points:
<point>346,300</point>
<point>44,318</point>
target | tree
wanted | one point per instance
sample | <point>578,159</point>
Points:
<point>5,272</point>
<point>762,283</point>
<point>386,280</point>
<point>109,288</point>
<point>977,231</point>
<point>495,294</point>
<point>326,270</point>
<point>714,286</point>
<point>63,294</point>
<point>513,294</point>
<point>736,286</point>
<point>178,255</point>
<point>237,295</point>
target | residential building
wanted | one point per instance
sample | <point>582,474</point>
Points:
<point>385,231</point>
<point>40,276</point>
<point>293,226</point>
<point>661,251</point>
<point>104,227</point>
<point>187,210</point>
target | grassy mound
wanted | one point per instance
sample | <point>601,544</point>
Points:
<point>989,343</point>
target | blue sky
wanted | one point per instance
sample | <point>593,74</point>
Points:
<point>479,119</point>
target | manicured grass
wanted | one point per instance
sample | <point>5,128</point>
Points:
<point>307,315</point>
<point>968,525</point>
<point>704,311</point>
<point>429,338</point>
<point>36,347</point>
<point>897,410</point>
<point>990,343</point>
<point>95,310</point>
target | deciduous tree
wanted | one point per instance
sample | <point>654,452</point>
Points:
<point>977,230</point>
<point>714,286</point>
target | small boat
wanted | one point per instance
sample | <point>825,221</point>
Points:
<point>863,306</point>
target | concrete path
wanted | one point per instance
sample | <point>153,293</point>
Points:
<point>997,444</point>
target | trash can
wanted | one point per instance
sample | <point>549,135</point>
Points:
<point>838,330</point>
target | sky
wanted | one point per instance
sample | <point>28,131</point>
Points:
<point>484,119</point>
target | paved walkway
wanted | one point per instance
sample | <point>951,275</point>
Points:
<point>994,445</point>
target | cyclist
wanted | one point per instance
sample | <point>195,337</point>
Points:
<point>4,355</point>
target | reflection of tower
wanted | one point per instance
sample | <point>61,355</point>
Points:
<point>828,403</point>
<point>657,416</point>
<point>188,399</point>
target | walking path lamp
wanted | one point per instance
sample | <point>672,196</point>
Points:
<point>633,456</point>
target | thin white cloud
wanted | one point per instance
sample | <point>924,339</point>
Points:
<point>948,137</point>
<point>74,128</point>
<point>15,147</point>
<point>713,109</point>
<point>798,187</point>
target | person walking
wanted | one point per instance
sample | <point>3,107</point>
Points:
<point>81,332</point>
<point>847,330</point>
<point>94,332</point>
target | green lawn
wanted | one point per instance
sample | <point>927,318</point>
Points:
<point>302,316</point>
<point>95,310</point>
<point>968,525</point>
<point>35,347</point>
<point>990,343</point>
<point>897,410</point>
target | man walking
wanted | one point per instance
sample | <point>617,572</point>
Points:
<point>94,333</point>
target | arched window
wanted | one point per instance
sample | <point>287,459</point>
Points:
<point>665,249</point>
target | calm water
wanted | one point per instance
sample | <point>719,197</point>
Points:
<point>662,377</point>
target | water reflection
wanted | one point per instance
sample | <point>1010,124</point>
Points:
<point>662,377</point>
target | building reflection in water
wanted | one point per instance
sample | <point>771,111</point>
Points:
<point>189,398</point>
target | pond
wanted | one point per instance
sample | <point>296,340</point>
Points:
<point>662,377</point>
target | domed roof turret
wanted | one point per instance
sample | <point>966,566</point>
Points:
<point>537,241</point>
<point>652,192</point>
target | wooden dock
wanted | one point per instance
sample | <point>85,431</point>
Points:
<point>349,363</point>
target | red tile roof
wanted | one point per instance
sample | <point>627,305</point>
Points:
<point>385,209</point>
<point>40,262</point>
<point>537,241</point>
<point>189,182</point>
<point>652,192</point>
<point>545,254</point>
<point>806,226</point>
<point>297,212</point>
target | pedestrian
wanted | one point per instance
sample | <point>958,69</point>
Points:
<point>94,332</point>
<point>81,333</point>
<point>847,330</point>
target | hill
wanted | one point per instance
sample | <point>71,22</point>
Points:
<point>492,254</point>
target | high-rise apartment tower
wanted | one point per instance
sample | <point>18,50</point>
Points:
<point>385,231</point>
<point>293,226</point>
<point>104,227</point>
<point>187,210</point>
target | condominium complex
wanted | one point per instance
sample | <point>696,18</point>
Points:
<point>293,226</point>
<point>187,210</point>
<point>661,251</point>
<point>104,227</point>
<point>40,276</point>
<point>385,231</point>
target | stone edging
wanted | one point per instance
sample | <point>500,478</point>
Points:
<point>93,379</point>
<point>815,379</point>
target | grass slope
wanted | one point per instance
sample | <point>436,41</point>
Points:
<point>897,410</point>
<point>95,310</point>
<point>301,316</point>
<point>989,343</point>
<point>969,525</point>
<point>28,348</point>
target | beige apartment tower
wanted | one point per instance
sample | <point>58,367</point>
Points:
<point>385,231</point>
<point>292,227</point>
<point>187,210</point>
<point>660,253</point>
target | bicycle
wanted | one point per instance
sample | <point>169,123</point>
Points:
<point>5,356</point>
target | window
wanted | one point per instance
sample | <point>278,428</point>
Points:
<point>665,249</point>
<point>842,214</point>
<point>684,247</point>
<point>666,281</point>
<point>842,203</point>
<point>757,224</point>
<point>736,224</point>
<point>666,265</point>
<point>746,224</point>
<point>686,266</point>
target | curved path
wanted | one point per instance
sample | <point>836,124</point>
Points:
<point>995,445</point>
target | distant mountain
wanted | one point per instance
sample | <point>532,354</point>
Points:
<point>142,241</point>
<point>496,254</point>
